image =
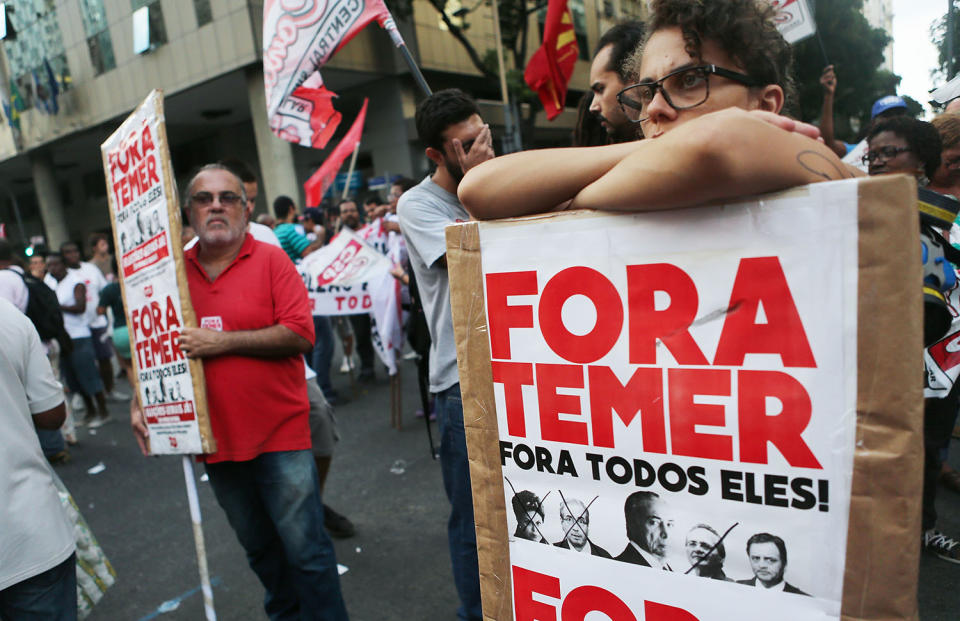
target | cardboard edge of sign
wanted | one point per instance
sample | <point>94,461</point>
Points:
<point>155,98</point>
<point>883,542</point>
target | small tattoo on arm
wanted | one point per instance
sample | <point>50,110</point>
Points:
<point>820,165</point>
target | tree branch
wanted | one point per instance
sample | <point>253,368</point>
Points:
<point>459,35</point>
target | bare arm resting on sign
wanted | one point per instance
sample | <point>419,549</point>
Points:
<point>725,154</point>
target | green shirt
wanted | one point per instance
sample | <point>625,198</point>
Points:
<point>292,242</point>
<point>110,296</point>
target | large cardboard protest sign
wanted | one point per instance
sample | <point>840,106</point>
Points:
<point>645,386</point>
<point>145,214</point>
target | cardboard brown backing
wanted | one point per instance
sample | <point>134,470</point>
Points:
<point>883,545</point>
<point>480,418</point>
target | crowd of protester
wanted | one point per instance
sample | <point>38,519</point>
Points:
<point>677,93</point>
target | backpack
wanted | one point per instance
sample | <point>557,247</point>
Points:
<point>43,309</point>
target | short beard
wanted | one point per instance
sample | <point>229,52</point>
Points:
<point>454,170</point>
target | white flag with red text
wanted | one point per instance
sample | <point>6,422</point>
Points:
<point>299,37</point>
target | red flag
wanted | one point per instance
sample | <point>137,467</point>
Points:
<point>551,66</point>
<point>299,40</point>
<point>317,184</point>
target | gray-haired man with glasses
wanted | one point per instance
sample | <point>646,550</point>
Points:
<point>575,522</point>
<point>255,324</point>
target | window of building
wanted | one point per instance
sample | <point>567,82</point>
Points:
<point>203,11</point>
<point>158,29</point>
<point>39,42</point>
<point>99,43</point>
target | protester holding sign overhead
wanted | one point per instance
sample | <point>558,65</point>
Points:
<point>710,82</point>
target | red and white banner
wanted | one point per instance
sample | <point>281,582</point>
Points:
<point>316,186</point>
<point>299,37</point>
<point>677,411</point>
<point>348,276</point>
<point>143,205</point>
<point>795,20</point>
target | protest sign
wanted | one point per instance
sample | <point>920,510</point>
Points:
<point>339,275</point>
<point>348,276</point>
<point>794,20</point>
<point>145,214</point>
<point>639,384</point>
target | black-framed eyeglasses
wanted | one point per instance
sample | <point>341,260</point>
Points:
<point>230,199</point>
<point>887,152</point>
<point>685,88</point>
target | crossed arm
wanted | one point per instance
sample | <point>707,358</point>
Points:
<point>725,154</point>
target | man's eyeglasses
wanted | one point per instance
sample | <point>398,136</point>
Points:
<point>887,153</point>
<point>683,89</point>
<point>230,199</point>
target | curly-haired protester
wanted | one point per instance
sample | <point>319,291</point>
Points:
<point>710,81</point>
<point>903,145</point>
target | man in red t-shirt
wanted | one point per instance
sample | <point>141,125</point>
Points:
<point>255,322</point>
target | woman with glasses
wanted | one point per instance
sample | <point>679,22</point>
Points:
<point>709,82</point>
<point>903,145</point>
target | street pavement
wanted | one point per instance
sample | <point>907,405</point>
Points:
<point>383,479</point>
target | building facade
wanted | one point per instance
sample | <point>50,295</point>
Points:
<point>879,14</point>
<point>205,56</point>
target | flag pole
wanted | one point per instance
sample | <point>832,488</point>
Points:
<point>210,612</point>
<point>353,162</point>
<point>509,140</point>
<point>390,25</point>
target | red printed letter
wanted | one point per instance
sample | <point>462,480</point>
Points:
<point>549,378</point>
<point>594,285</point>
<point>525,584</point>
<point>643,393</point>
<point>652,611</point>
<point>685,415</point>
<point>500,315</point>
<point>670,325</point>
<point>513,375</point>
<point>761,281</point>
<point>586,599</point>
<point>785,429</point>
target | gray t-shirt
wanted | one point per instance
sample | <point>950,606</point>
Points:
<point>424,212</point>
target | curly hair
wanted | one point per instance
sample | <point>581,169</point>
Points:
<point>922,138</point>
<point>744,29</point>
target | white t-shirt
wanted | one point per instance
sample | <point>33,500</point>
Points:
<point>425,210</point>
<point>35,533</point>
<point>13,289</point>
<point>260,232</point>
<point>91,276</point>
<point>76,325</point>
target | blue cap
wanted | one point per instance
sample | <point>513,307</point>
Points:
<point>887,103</point>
